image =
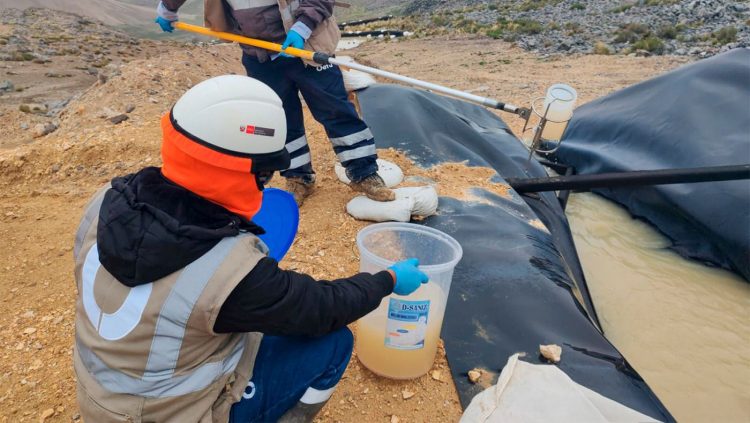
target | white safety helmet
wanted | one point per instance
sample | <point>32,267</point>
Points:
<point>235,115</point>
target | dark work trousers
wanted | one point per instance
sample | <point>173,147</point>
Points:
<point>323,89</point>
<point>291,369</point>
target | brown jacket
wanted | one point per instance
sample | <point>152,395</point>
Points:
<point>270,20</point>
<point>150,353</point>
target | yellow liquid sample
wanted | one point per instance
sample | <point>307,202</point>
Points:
<point>553,131</point>
<point>394,363</point>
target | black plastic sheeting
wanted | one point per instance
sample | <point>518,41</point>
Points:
<point>517,285</point>
<point>698,115</point>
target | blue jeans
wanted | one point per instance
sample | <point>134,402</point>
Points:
<point>285,367</point>
<point>323,90</point>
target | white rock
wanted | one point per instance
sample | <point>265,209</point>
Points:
<point>551,352</point>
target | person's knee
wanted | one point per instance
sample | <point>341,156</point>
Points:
<point>344,343</point>
<point>347,338</point>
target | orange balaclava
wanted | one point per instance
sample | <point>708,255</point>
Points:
<point>217,176</point>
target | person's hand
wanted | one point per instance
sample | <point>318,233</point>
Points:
<point>165,18</point>
<point>293,39</point>
<point>407,277</point>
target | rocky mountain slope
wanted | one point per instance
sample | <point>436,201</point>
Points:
<point>110,12</point>
<point>361,9</point>
<point>680,27</point>
<point>48,57</point>
<point>133,16</point>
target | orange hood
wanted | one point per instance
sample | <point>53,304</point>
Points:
<point>224,179</point>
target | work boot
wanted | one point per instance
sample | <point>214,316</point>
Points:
<point>302,413</point>
<point>374,188</point>
<point>300,189</point>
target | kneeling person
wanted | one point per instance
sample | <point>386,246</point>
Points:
<point>180,313</point>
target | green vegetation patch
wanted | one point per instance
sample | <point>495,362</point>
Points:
<point>632,32</point>
<point>669,32</point>
<point>528,5</point>
<point>601,48</point>
<point>22,57</point>
<point>651,44</point>
<point>572,28</point>
<point>725,35</point>
<point>510,30</point>
<point>623,8</point>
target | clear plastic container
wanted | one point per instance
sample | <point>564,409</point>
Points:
<point>399,339</point>
<point>559,102</point>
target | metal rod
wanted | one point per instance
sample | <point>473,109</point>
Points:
<point>484,101</point>
<point>323,59</point>
<point>634,178</point>
<point>564,195</point>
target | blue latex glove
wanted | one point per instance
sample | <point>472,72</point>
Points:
<point>165,17</point>
<point>293,39</point>
<point>165,25</point>
<point>408,277</point>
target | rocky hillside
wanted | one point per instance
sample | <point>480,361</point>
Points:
<point>48,57</point>
<point>110,12</point>
<point>361,9</point>
<point>133,16</point>
<point>679,27</point>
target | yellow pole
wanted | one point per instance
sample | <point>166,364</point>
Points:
<point>324,59</point>
<point>297,52</point>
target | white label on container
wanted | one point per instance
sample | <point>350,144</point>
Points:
<point>407,324</point>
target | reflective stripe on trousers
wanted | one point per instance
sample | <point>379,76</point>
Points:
<point>299,152</point>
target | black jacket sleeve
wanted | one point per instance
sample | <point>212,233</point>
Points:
<point>282,302</point>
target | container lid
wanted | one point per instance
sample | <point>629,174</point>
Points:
<point>450,257</point>
<point>279,216</point>
<point>561,92</point>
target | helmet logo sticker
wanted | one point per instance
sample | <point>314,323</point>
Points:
<point>257,130</point>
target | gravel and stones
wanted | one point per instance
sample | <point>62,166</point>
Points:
<point>688,27</point>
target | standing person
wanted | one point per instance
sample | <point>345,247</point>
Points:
<point>299,24</point>
<point>180,314</point>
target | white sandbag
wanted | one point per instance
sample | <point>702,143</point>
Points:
<point>389,171</point>
<point>353,79</point>
<point>410,201</point>
<point>362,208</point>
<point>425,199</point>
<point>532,393</point>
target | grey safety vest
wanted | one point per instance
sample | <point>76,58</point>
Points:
<point>149,353</point>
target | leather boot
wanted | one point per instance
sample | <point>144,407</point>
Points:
<point>374,188</point>
<point>300,189</point>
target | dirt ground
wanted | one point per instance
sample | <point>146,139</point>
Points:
<point>44,185</point>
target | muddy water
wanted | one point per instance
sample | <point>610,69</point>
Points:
<point>685,327</point>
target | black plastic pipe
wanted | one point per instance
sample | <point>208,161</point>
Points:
<point>384,32</point>
<point>629,179</point>
<point>343,25</point>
